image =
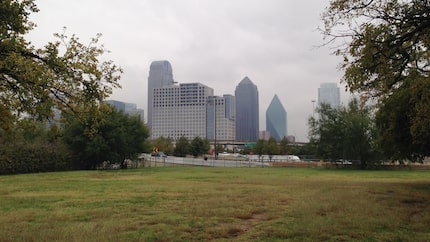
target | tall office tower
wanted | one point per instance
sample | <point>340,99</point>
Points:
<point>276,119</point>
<point>247,122</point>
<point>329,93</point>
<point>220,118</point>
<point>180,110</point>
<point>160,75</point>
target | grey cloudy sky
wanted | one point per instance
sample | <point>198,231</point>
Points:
<point>215,42</point>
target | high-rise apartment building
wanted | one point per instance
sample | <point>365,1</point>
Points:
<point>220,118</point>
<point>180,110</point>
<point>276,119</point>
<point>329,93</point>
<point>160,75</point>
<point>247,115</point>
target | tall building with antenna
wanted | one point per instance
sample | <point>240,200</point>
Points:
<point>160,75</point>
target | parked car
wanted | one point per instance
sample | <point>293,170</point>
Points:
<point>343,162</point>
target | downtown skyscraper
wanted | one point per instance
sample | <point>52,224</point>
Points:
<point>276,119</point>
<point>160,75</point>
<point>247,112</point>
<point>329,93</point>
<point>220,118</point>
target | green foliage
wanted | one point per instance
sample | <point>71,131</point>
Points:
<point>199,146</point>
<point>118,137</point>
<point>163,144</point>
<point>272,147</point>
<point>283,146</point>
<point>260,147</point>
<point>219,148</point>
<point>182,147</point>
<point>30,146</point>
<point>402,136</point>
<point>387,57</point>
<point>64,74</point>
<point>344,133</point>
<point>31,157</point>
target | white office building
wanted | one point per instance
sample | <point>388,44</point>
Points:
<point>180,110</point>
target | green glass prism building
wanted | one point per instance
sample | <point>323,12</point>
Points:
<point>276,119</point>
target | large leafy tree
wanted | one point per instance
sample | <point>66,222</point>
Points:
<point>199,146</point>
<point>260,148</point>
<point>182,147</point>
<point>64,74</point>
<point>163,144</point>
<point>344,133</point>
<point>119,136</point>
<point>386,56</point>
<point>272,148</point>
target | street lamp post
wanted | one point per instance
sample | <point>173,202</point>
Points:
<point>313,108</point>
<point>216,152</point>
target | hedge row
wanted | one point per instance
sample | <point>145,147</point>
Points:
<point>32,158</point>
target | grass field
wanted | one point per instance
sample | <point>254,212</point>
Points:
<point>216,204</point>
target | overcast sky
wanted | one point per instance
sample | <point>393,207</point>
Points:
<point>214,42</point>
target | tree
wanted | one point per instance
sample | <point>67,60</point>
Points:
<point>199,146</point>
<point>326,132</point>
<point>33,147</point>
<point>219,148</point>
<point>260,148</point>
<point>117,137</point>
<point>283,146</point>
<point>387,57</point>
<point>344,133</point>
<point>182,147</point>
<point>163,144</point>
<point>272,148</point>
<point>64,74</point>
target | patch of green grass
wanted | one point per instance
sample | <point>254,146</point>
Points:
<point>221,204</point>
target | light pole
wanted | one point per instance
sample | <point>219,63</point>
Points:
<point>313,109</point>
<point>216,152</point>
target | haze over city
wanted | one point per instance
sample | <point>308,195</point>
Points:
<point>217,43</point>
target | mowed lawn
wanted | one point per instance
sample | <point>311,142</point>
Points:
<point>216,204</point>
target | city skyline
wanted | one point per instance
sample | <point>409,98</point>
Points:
<point>276,43</point>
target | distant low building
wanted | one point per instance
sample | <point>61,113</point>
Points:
<point>127,108</point>
<point>291,138</point>
<point>265,135</point>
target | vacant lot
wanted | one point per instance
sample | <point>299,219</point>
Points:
<point>221,204</point>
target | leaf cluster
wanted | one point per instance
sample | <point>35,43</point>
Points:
<point>118,137</point>
<point>386,56</point>
<point>344,133</point>
<point>65,74</point>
